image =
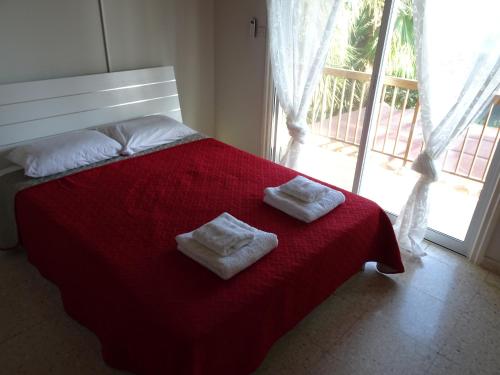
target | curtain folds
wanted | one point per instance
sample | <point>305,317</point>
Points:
<point>300,34</point>
<point>458,67</point>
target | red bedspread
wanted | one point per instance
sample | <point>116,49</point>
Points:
<point>106,237</point>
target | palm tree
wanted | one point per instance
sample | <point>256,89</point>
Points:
<point>354,46</point>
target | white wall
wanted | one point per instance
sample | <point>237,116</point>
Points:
<point>239,73</point>
<point>194,62</point>
<point>493,249</point>
<point>58,38</point>
<point>139,33</point>
<point>492,253</point>
<point>49,39</point>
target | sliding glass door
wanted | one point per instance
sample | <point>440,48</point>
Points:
<point>365,132</point>
<point>337,113</point>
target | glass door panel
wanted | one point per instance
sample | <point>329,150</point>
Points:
<point>337,112</point>
<point>396,139</point>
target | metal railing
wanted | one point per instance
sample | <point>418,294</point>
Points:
<point>337,113</point>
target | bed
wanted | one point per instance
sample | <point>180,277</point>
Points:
<point>105,236</point>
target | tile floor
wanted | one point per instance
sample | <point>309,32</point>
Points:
<point>442,316</point>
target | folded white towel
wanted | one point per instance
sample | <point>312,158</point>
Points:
<point>304,189</point>
<point>228,266</point>
<point>301,210</point>
<point>225,234</point>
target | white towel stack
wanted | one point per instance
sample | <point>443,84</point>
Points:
<point>304,189</point>
<point>303,199</point>
<point>225,234</point>
<point>226,245</point>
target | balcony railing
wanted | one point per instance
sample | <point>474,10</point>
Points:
<point>338,110</point>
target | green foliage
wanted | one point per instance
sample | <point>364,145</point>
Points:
<point>401,61</point>
<point>356,36</point>
<point>363,37</point>
<point>354,47</point>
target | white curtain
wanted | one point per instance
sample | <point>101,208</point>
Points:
<point>300,33</point>
<point>458,66</point>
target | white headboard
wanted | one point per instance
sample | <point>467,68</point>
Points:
<point>38,109</point>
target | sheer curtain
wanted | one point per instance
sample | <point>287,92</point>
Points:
<point>300,34</point>
<point>458,66</point>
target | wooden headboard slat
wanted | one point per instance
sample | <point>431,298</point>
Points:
<point>31,110</point>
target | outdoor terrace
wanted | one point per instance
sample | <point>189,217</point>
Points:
<point>336,121</point>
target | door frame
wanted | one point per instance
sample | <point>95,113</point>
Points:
<point>375,91</point>
<point>482,223</point>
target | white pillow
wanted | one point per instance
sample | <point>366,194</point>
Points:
<point>145,132</point>
<point>63,152</point>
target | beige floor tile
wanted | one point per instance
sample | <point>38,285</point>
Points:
<point>443,366</point>
<point>273,364</point>
<point>273,370</point>
<point>84,362</point>
<point>493,280</point>
<point>443,254</point>
<point>369,290</point>
<point>474,344</point>
<point>294,352</point>
<point>34,351</point>
<point>421,316</point>
<point>460,262</point>
<point>449,283</point>
<point>16,318</point>
<point>26,302</point>
<point>58,346</point>
<point>329,322</point>
<point>375,345</point>
<point>13,269</point>
<point>485,307</point>
<point>485,302</point>
<point>74,335</point>
<point>330,365</point>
